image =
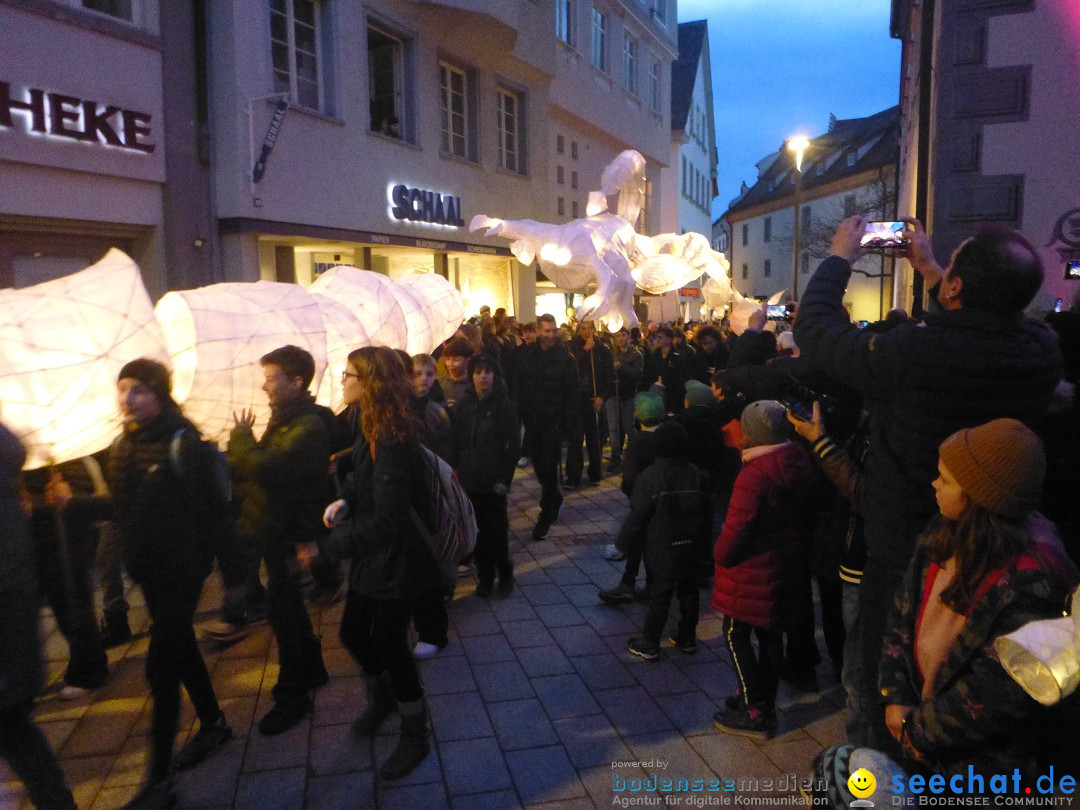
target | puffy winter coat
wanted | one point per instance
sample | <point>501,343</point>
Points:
<point>762,549</point>
<point>978,716</point>
<point>964,368</point>
<point>487,441</point>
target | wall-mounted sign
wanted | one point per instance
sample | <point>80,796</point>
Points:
<point>421,205</point>
<point>690,292</point>
<point>268,142</point>
<point>61,116</point>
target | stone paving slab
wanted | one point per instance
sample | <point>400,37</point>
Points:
<point>535,703</point>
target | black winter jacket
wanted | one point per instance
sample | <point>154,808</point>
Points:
<point>546,386</point>
<point>282,478</point>
<point>963,369</point>
<point>390,558</point>
<point>752,349</point>
<point>596,370</point>
<point>667,509</point>
<point>487,441</point>
<point>672,372</point>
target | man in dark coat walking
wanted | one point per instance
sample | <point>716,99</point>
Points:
<point>596,372</point>
<point>977,360</point>
<point>546,393</point>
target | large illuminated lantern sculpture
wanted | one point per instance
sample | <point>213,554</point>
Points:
<point>604,249</point>
<point>62,343</point>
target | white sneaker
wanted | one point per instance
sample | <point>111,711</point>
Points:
<point>423,650</point>
<point>523,462</point>
<point>224,632</point>
<point>69,692</point>
<point>464,570</point>
<point>612,553</point>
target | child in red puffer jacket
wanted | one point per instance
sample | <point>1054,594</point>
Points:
<point>760,563</point>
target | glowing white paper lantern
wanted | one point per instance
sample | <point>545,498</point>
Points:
<point>370,298</point>
<point>441,312</point>
<point>216,336</point>
<point>62,343</point>
<point>344,332</point>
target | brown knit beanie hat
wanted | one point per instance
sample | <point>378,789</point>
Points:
<point>1000,465</point>
<point>154,375</point>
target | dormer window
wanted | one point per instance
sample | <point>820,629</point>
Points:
<point>852,158</point>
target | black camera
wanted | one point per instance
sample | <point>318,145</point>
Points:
<point>799,401</point>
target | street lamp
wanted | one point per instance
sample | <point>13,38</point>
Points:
<point>797,145</point>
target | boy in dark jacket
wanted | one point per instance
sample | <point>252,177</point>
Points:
<point>640,453</point>
<point>665,517</point>
<point>487,442</point>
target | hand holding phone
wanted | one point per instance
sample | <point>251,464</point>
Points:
<point>885,236</point>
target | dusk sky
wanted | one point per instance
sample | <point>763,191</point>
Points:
<point>781,66</point>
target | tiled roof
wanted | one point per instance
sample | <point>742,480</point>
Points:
<point>874,140</point>
<point>684,70</point>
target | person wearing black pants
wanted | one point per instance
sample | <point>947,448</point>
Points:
<point>487,446</point>
<point>378,522</point>
<point>22,745</point>
<point>596,372</point>
<point>546,396</point>
<point>172,519</point>
<point>759,676</point>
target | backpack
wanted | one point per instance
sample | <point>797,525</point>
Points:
<point>222,479</point>
<point>454,535</point>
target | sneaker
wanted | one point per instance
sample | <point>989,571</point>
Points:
<point>754,722</point>
<point>688,647</point>
<point>619,595</point>
<point>71,692</point>
<point>115,631</point>
<point>643,649</point>
<point>155,796</point>
<point>540,530</point>
<point>285,714</point>
<point>611,552</point>
<point>209,739</point>
<point>523,462</point>
<point>484,589</point>
<point>223,632</point>
<point>422,651</point>
<point>464,570</point>
<point>571,486</point>
<point>733,701</point>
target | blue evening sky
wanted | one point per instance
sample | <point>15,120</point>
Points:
<point>781,66</point>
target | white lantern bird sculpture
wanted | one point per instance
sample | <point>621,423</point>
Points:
<point>1044,656</point>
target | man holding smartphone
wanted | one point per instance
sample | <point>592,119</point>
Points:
<point>977,360</point>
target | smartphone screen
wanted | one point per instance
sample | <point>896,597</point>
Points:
<point>1072,270</point>
<point>884,236</point>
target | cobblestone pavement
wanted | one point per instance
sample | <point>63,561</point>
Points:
<point>532,702</point>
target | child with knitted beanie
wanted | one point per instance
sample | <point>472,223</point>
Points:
<point>761,564</point>
<point>987,565</point>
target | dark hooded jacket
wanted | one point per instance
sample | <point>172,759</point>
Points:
<point>964,368</point>
<point>487,441</point>
<point>762,549</point>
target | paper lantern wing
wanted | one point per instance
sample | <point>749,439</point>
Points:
<point>62,343</point>
<point>441,307</point>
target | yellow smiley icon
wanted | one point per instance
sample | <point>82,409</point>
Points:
<point>861,783</point>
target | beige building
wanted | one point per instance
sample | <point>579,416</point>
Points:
<point>989,103</point>
<point>850,169</point>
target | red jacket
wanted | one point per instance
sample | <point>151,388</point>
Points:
<point>761,552</point>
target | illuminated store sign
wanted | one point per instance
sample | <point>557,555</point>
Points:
<point>421,205</point>
<point>59,116</point>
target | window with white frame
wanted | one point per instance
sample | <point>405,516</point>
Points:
<point>564,21</point>
<point>294,46</point>
<point>510,116</point>
<point>630,59</point>
<point>599,40</point>
<point>655,71</point>
<point>454,94</point>
<point>386,83</point>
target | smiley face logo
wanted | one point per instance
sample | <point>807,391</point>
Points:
<point>861,783</point>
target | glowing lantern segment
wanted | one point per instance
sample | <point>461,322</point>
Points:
<point>216,336</point>
<point>604,249</point>
<point>344,332</point>
<point>441,306</point>
<point>62,343</point>
<point>371,299</point>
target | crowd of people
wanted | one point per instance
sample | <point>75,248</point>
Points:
<point>893,469</point>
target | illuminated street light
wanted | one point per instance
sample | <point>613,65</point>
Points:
<point>797,145</point>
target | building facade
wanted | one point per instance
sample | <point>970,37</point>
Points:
<point>988,128</point>
<point>850,169</point>
<point>99,106</point>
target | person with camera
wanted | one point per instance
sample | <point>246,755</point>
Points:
<point>978,359</point>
